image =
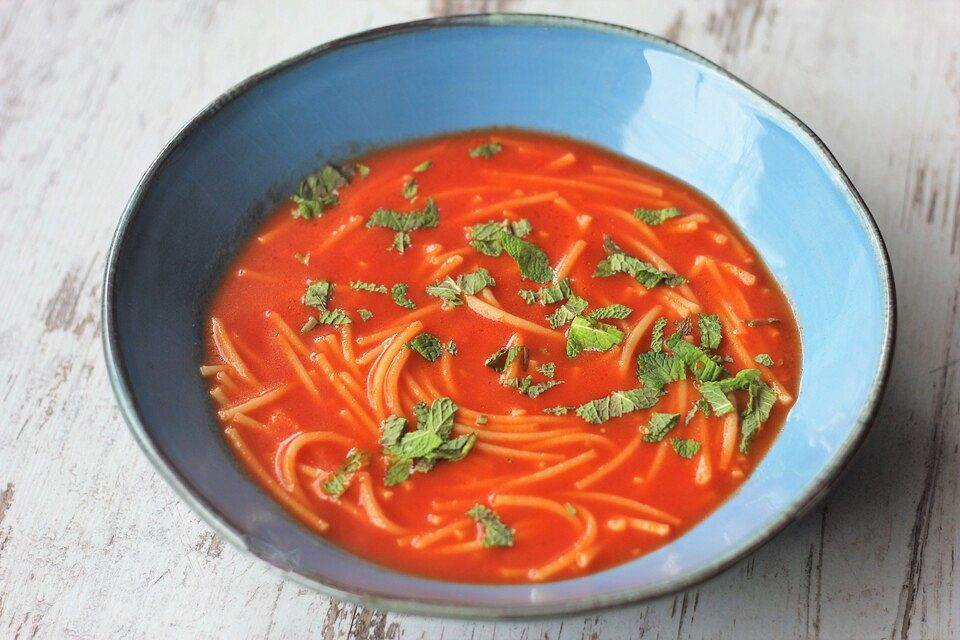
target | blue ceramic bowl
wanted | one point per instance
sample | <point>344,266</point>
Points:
<point>630,92</point>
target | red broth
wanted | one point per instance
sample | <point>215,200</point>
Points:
<point>574,493</point>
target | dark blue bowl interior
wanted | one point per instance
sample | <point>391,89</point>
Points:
<point>630,93</point>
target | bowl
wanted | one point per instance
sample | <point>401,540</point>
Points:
<point>630,92</point>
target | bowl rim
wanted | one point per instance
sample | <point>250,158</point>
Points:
<point>800,505</point>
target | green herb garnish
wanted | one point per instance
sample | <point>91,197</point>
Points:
<point>617,404</point>
<point>569,508</point>
<point>659,426</point>
<point>451,348</point>
<point>700,405</point>
<point>495,532</point>
<point>423,166</point>
<point>493,238</point>
<point>685,448</point>
<point>334,317</point>
<point>410,189</point>
<point>362,169</point>
<point>403,223</point>
<point>365,314</point>
<point>710,330</point>
<point>548,369</point>
<point>338,481</point>
<point>419,450</point>
<point>318,192</point>
<point>504,357</point>
<point>548,295</point>
<point>486,150</point>
<point>764,359</point>
<point>310,324</point>
<point>302,258</point>
<point>427,345</point>
<point>527,387</point>
<point>372,287</point>
<point>591,335</point>
<point>656,335</point>
<point>318,294</point>
<point>656,369</point>
<point>613,311</point>
<point>450,290</point>
<point>655,216</point>
<point>703,366</point>
<point>559,411</point>
<point>399,293</point>
<point>573,307</point>
<point>619,261</point>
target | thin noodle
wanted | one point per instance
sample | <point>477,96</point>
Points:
<point>627,503</point>
<point>446,268</point>
<point>297,366</point>
<point>534,502</point>
<point>372,354</point>
<point>550,472</point>
<point>346,344</point>
<point>641,187</point>
<point>289,333</point>
<point>286,456</point>
<point>375,378</point>
<point>227,350</point>
<point>563,161</point>
<point>266,480</point>
<point>490,312</point>
<point>517,454</point>
<point>398,325</point>
<point>610,466</point>
<point>566,206</point>
<point>247,421</point>
<point>256,402</point>
<point>352,404</point>
<point>570,438</point>
<point>391,386</point>
<point>568,557</point>
<point>514,437</point>
<point>227,382</point>
<point>446,370</point>
<point>729,442</point>
<point>566,263</point>
<point>217,394</point>
<point>352,223</point>
<point>257,275</point>
<point>424,540</point>
<point>632,342</point>
<point>369,503</point>
<point>207,370</point>
<point>487,295</point>
<point>512,203</point>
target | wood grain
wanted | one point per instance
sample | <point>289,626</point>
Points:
<point>94,545</point>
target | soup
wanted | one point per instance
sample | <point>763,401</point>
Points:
<point>499,357</point>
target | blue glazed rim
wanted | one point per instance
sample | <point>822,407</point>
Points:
<point>818,488</point>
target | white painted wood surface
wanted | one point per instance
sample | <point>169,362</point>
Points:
<point>94,545</point>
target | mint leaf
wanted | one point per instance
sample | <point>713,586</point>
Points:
<point>548,369</point>
<point>710,330</point>
<point>450,290</point>
<point>566,312</point>
<point>716,397</point>
<point>365,314</point>
<point>700,405</point>
<point>527,387</point>
<point>302,258</point>
<point>656,369</point>
<point>495,532</point>
<point>410,188</point>
<point>655,216</point>
<point>614,311</point>
<point>685,448</point>
<point>359,285</point>
<point>427,345</point>
<point>619,261</point>
<point>764,359</point>
<point>656,335</point>
<point>590,335</point>
<point>559,411</point>
<point>402,223</point>
<point>438,418</point>
<point>335,317</point>
<point>486,150</point>
<point>391,431</point>
<point>493,238</point>
<point>455,449</point>
<point>398,470</point>
<point>762,399</point>
<point>617,404</point>
<point>504,357</point>
<point>701,365</point>
<point>318,294</point>
<point>318,192</point>
<point>362,169</point>
<point>310,324</point>
<point>548,295</point>
<point>423,166</point>
<point>399,293</point>
<point>451,348</point>
<point>659,426</point>
<point>337,482</point>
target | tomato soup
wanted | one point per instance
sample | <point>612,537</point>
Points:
<point>499,357</point>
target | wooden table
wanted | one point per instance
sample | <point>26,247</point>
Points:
<point>94,545</point>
